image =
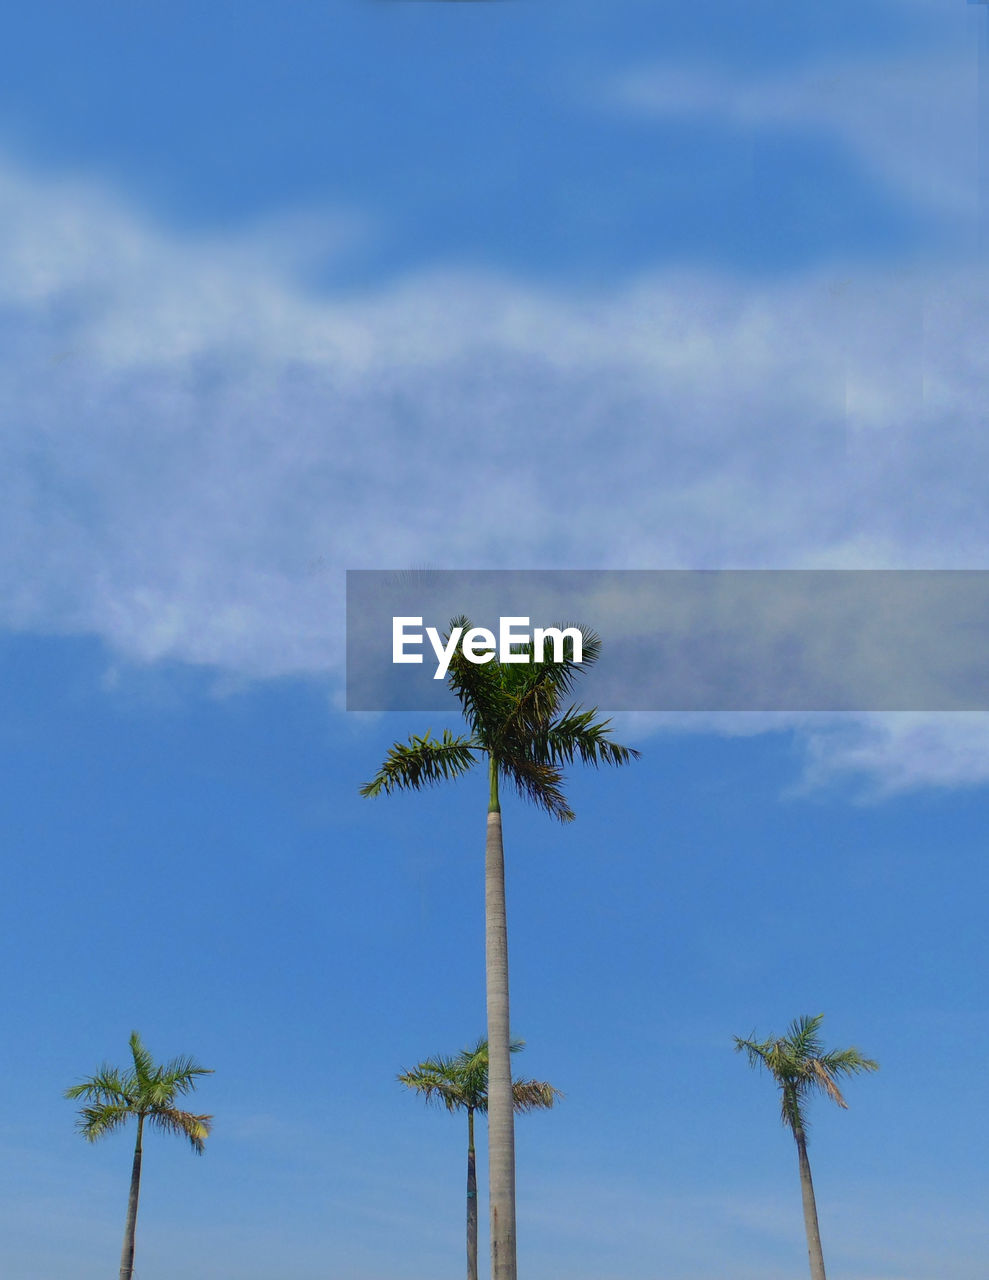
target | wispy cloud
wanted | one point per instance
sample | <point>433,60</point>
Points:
<point>898,753</point>
<point>910,122</point>
<point>196,446</point>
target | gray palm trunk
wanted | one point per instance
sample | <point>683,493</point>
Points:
<point>471,1199</point>
<point>130,1230</point>
<point>814,1250</point>
<point>501,1110</point>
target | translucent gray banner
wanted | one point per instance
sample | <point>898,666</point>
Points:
<point>694,640</point>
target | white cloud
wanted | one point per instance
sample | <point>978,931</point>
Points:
<point>195,446</point>
<point>910,121</point>
<point>900,752</point>
<point>879,754</point>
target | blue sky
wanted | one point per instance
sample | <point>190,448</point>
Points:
<point>375,284</point>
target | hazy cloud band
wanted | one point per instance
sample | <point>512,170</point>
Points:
<point>683,640</point>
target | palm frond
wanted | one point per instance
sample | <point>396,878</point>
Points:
<point>847,1062</point>
<point>182,1073</point>
<point>540,784</point>
<point>819,1076</point>
<point>479,688</point>
<point>533,1095</point>
<point>536,689</point>
<point>97,1121</point>
<point>792,1113</point>
<point>182,1124</point>
<point>561,675</point>
<point>576,734</point>
<point>532,693</point>
<point>802,1036</point>
<point>423,762</point>
<point>144,1064</point>
<point>756,1053</point>
<point>471,1066</point>
<point>438,1080</point>
<point>107,1086</point>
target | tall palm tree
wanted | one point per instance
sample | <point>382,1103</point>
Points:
<point>460,1083</point>
<point>148,1092</point>
<point>800,1066</point>
<point>515,716</point>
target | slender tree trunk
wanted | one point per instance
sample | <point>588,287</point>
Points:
<point>501,1115</point>
<point>471,1199</point>
<point>814,1250</point>
<point>127,1254</point>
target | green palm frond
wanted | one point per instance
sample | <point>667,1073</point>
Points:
<point>536,689</point>
<point>751,1049</point>
<point>182,1074</point>
<point>791,1111</point>
<point>423,762</point>
<point>577,735</point>
<point>97,1121</point>
<point>590,647</point>
<point>169,1081</point>
<point>847,1062</point>
<point>532,693</point>
<point>562,674</point>
<point>501,701</point>
<point>800,1066</point>
<point>107,1086</point>
<point>144,1065</point>
<point>540,784</point>
<point>802,1039</point>
<point>478,687</point>
<point>471,1065</point>
<point>471,1069</point>
<point>437,1080</point>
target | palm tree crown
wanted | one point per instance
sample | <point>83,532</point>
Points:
<point>514,712</point>
<point>144,1090</point>
<point>800,1066</point>
<point>460,1082</point>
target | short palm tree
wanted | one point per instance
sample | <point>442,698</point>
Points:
<point>460,1083</point>
<point>148,1092</point>
<point>800,1066</point>
<point>518,721</point>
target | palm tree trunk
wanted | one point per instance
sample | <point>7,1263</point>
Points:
<point>814,1250</point>
<point>471,1199</point>
<point>127,1254</point>
<point>501,1117</point>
